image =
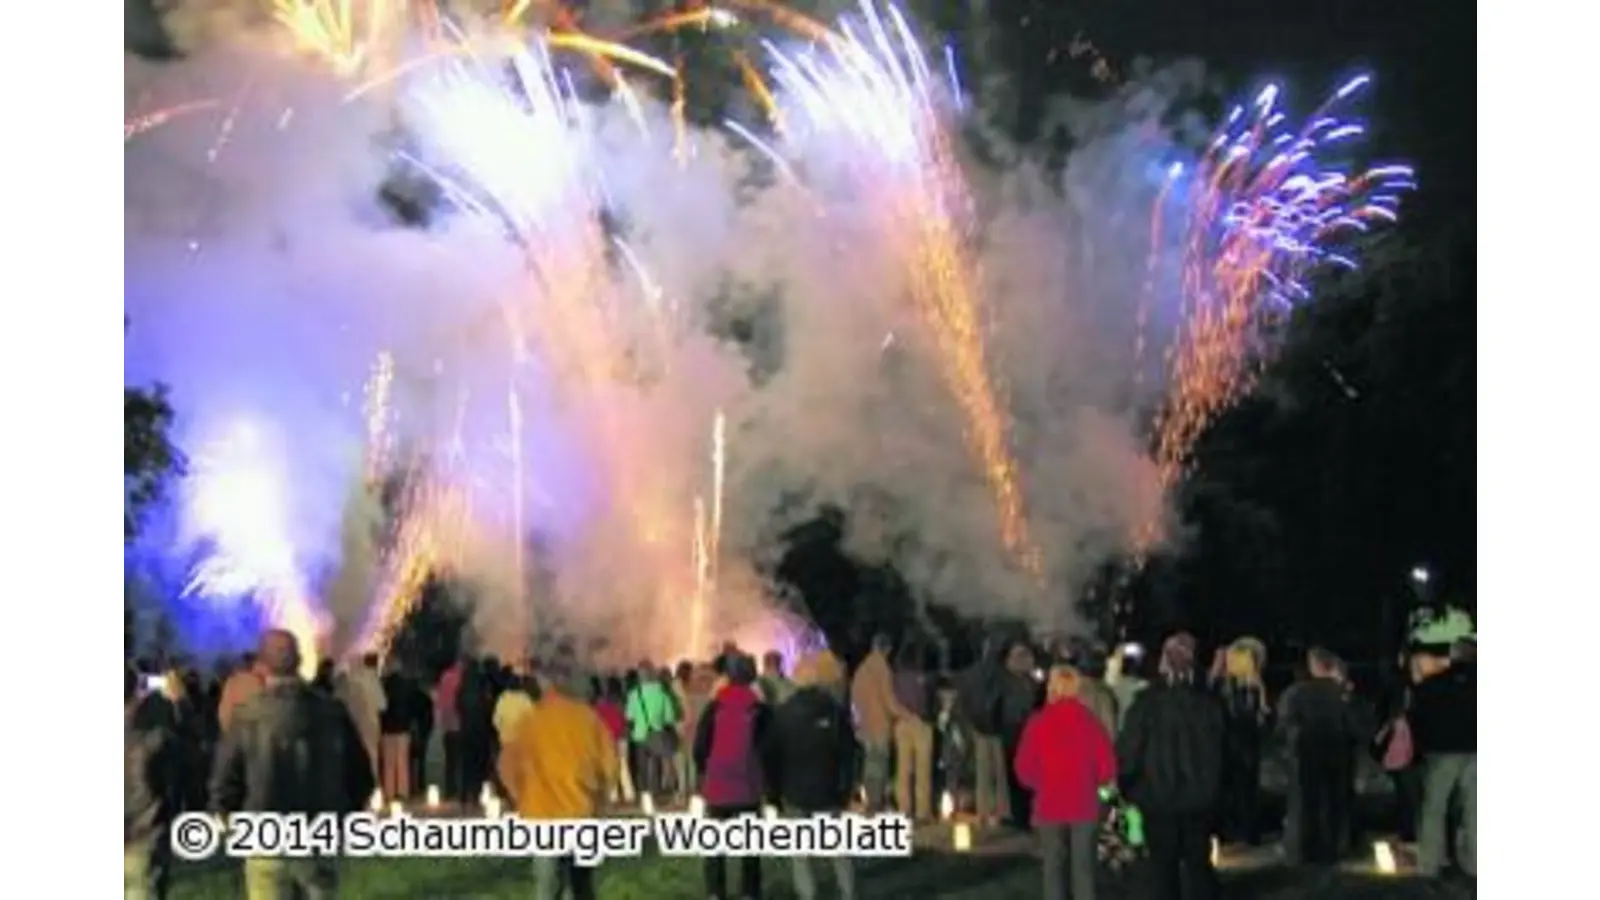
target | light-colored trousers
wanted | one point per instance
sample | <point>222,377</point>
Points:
<point>913,777</point>
<point>992,792</point>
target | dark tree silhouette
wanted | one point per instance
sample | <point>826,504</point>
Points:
<point>149,458</point>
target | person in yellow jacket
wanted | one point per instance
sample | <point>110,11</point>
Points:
<point>559,764</point>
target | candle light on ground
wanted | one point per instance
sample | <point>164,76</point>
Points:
<point>697,805</point>
<point>769,811</point>
<point>647,804</point>
<point>485,795</point>
<point>491,807</point>
<point>947,806</point>
<point>396,807</point>
<point>433,796</point>
<point>961,837</point>
<point>376,802</point>
<point>1383,858</point>
<point>1216,853</point>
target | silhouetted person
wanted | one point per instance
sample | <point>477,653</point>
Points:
<point>1169,763</point>
<point>1245,704</point>
<point>475,704</point>
<point>809,758</point>
<point>1444,723</point>
<point>978,695</point>
<point>152,794</point>
<point>447,718</point>
<point>1321,733</point>
<point>291,750</point>
<point>395,723</point>
<point>1019,697</point>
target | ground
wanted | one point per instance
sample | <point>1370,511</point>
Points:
<point>999,874</point>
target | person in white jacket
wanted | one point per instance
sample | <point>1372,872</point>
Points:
<point>361,691</point>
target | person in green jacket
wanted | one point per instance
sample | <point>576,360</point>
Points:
<point>652,714</point>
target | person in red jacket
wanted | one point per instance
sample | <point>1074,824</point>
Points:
<point>1065,757</point>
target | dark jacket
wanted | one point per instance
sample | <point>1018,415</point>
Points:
<point>400,705</point>
<point>152,781</point>
<point>1246,709</point>
<point>1315,717</point>
<point>978,692</point>
<point>475,699</point>
<point>952,741</point>
<point>1444,712</point>
<point>1169,752</point>
<point>1019,697</point>
<point>727,747</point>
<point>291,750</point>
<point>809,751</point>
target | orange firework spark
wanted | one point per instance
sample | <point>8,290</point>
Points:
<point>348,35</point>
<point>878,90</point>
<point>137,125</point>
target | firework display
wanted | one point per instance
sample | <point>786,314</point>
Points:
<point>554,409</point>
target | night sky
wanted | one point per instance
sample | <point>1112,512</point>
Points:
<point>1422,54</point>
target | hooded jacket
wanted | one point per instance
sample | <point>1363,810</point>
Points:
<point>727,747</point>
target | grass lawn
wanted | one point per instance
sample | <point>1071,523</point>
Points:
<point>928,874</point>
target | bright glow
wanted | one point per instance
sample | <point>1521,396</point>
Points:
<point>947,805</point>
<point>961,837</point>
<point>1383,858</point>
<point>237,510</point>
<point>1420,575</point>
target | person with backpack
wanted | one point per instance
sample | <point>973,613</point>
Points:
<point>727,754</point>
<point>652,722</point>
<point>809,759</point>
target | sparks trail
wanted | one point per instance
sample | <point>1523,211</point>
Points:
<point>877,91</point>
<point>1264,213</point>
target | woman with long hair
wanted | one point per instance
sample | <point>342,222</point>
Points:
<point>1237,679</point>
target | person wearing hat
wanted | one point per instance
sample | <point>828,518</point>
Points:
<point>1169,763</point>
<point>1444,732</point>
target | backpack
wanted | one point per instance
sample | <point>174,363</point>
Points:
<point>1398,750</point>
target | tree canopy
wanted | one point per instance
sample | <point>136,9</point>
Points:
<point>149,457</point>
